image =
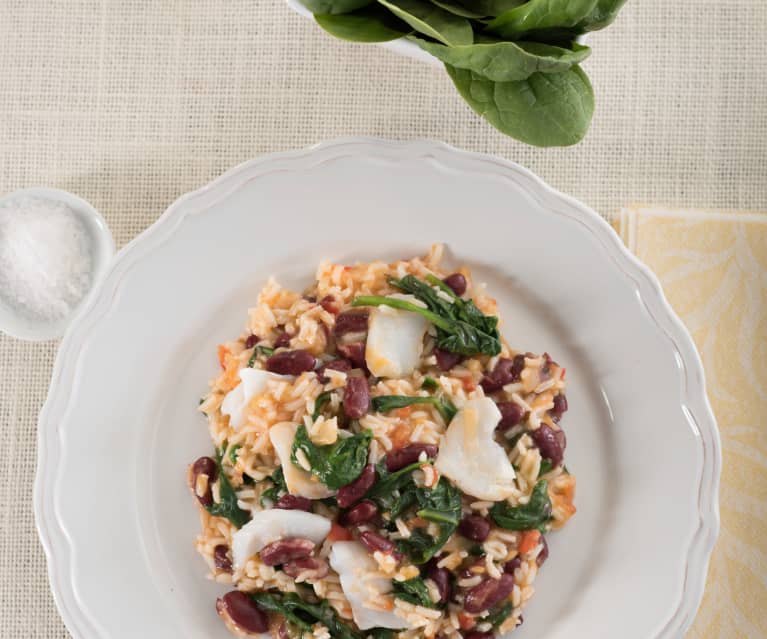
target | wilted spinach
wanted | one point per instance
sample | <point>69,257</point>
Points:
<point>385,403</point>
<point>322,399</point>
<point>441,505</point>
<point>532,515</point>
<point>279,487</point>
<point>498,615</point>
<point>335,465</point>
<point>304,614</point>
<point>227,505</point>
<point>461,326</point>
<point>413,591</point>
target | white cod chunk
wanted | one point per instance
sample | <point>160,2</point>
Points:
<point>364,586</point>
<point>253,382</point>
<point>274,524</point>
<point>395,339</point>
<point>299,481</point>
<point>470,456</point>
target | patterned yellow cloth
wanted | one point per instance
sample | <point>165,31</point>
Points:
<point>713,268</point>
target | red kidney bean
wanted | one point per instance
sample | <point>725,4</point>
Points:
<point>402,457</point>
<point>511,566</point>
<point>447,360</point>
<point>560,407</point>
<point>457,282</point>
<point>310,567</point>
<point>283,340</point>
<point>544,554</point>
<point>242,612</point>
<point>329,304</point>
<point>356,397</point>
<point>221,558</point>
<point>293,502</point>
<point>203,466</point>
<point>354,352</point>
<point>351,322</point>
<point>352,493</point>
<point>252,340</point>
<point>278,552</point>
<point>487,594</point>
<point>359,514</point>
<point>375,542</point>
<point>546,440</point>
<point>291,362</point>
<point>475,634</point>
<point>562,439</point>
<point>505,372</point>
<point>441,579</point>
<point>474,527</point>
<point>511,415</point>
<point>337,365</point>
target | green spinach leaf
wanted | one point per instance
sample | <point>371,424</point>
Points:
<point>429,383</point>
<point>322,399</point>
<point>334,6</point>
<point>461,326</point>
<point>304,614</point>
<point>546,466</point>
<point>370,24</point>
<point>227,505</point>
<point>413,591</point>
<point>546,109</point>
<point>453,6</point>
<point>385,403</point>
<point>431,20</point>
<point>507,61</point>
<point>233,453</point>
<point>335,465</point>
<point>532,515</point>
<point>279,487</point>
<point>498,615</point>
<point>380,633</point>
<point>540,15</point>
<point>383,491</point>
<point>441,505</point>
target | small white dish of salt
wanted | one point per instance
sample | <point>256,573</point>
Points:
<point>54,249</point>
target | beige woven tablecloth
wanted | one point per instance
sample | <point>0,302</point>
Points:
<point>131,103</point>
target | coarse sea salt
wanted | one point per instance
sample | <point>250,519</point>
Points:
<point>46,259</point>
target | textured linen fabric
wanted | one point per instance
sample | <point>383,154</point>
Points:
<point>130,104</point>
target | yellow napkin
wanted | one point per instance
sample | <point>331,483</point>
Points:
<point>713,268</point>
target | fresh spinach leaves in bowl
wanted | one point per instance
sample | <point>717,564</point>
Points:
<point>515,62</point>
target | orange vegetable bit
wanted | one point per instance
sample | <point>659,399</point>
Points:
<point>223,351</point>
<point>530,539</point>
<point>339,533</point>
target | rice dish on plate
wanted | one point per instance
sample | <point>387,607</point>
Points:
<point>385,464</point>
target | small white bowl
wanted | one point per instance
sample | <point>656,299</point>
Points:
<point>102,249</point>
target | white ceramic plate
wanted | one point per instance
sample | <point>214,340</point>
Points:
<point>120,423</point>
